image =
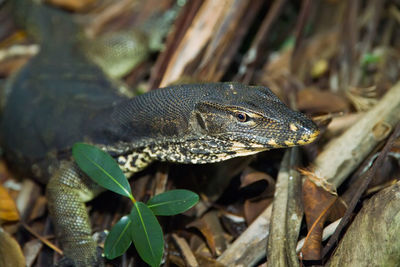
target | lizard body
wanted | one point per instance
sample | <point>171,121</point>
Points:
<point>60,97</point>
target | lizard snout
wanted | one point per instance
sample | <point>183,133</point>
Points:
<point>306,133</point>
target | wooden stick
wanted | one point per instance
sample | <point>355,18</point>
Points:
<point>342,155</point>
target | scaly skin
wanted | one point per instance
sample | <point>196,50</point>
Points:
<point>60,98</point>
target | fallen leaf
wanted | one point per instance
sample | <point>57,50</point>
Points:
<point>8,208</point>
<point>317,204</point>
<point>234,224</point>
<point>264,183</point>
<point>10,251</point>
<point>212,231</point>
<point>254,208</point>
<point>12,65</point>
<point>185,250</point>
<point>313,100</point>
<point>207,261</point>
<point>73,5</point>
<point>39,208</point>
<point>31,250</point>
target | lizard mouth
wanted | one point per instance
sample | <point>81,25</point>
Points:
<point>241,149</point>
<point>308,138</point>
<point>304,139</point>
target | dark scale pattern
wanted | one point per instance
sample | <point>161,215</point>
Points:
<point>197,123</point>
<point>134,162</point>
<point>188,113</point>
<point>67,192</point>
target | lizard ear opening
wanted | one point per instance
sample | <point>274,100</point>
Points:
<point>200,121</point>
<point>204,115</point>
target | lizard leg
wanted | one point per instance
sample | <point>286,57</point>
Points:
<point>67,191</point>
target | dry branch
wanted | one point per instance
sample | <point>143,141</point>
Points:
<point>249,248</point>
<point>343,154</point>
<point>196,38</point>
<point>287,214</point>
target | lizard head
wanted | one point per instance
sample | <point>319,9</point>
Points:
<point>243,120</point>
<point>204,123</point>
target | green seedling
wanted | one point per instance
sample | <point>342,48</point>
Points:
<point>140,226</point>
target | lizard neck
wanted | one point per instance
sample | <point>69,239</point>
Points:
<point>157,116</point>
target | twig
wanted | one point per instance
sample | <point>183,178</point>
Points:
<point>343,154</point>
<point>44,240</point>
<point>276,252</point>
<point>252,59</point>
<point>182,23</point>
<point>300,28</point>
<point>187,253</point>
<point>284,230</point>
<point>328,231</point>
<point>295,209</point>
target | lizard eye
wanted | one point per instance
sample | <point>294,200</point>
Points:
<point>242,117</point>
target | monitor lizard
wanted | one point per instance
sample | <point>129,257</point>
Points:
<point>60,97</point>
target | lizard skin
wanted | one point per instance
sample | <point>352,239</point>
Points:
<point>60,97</point>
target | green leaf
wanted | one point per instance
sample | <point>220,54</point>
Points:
<point>119,239</point>
<point>102,168</point>
<point>288,43</point>
<point>370,58</point>
<point>173,202</point>
<point>147,234</point>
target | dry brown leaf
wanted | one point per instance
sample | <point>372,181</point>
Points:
<point>4,172</point>
<point>234,224</point>
<point>317,204</point>
<point>31,250</point>
<point>12,65</point>
<point>205,230</point>
<point>212,231</point>
<point>254,208</point>
<point>251,177</point>
<point>73,5</point>
<point>8,208</point>
<point>185,250</point>
<point>313,100</point>
<point>389,172</point>
<point>10,251</point>
<point>207,261</point>
<point>27,196</point>
<point>198,245</point>
<point>338,210</point>
<point>320,47</point>
<point>363,98</point>
<point>276,72</point>
<point>39,208</point>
